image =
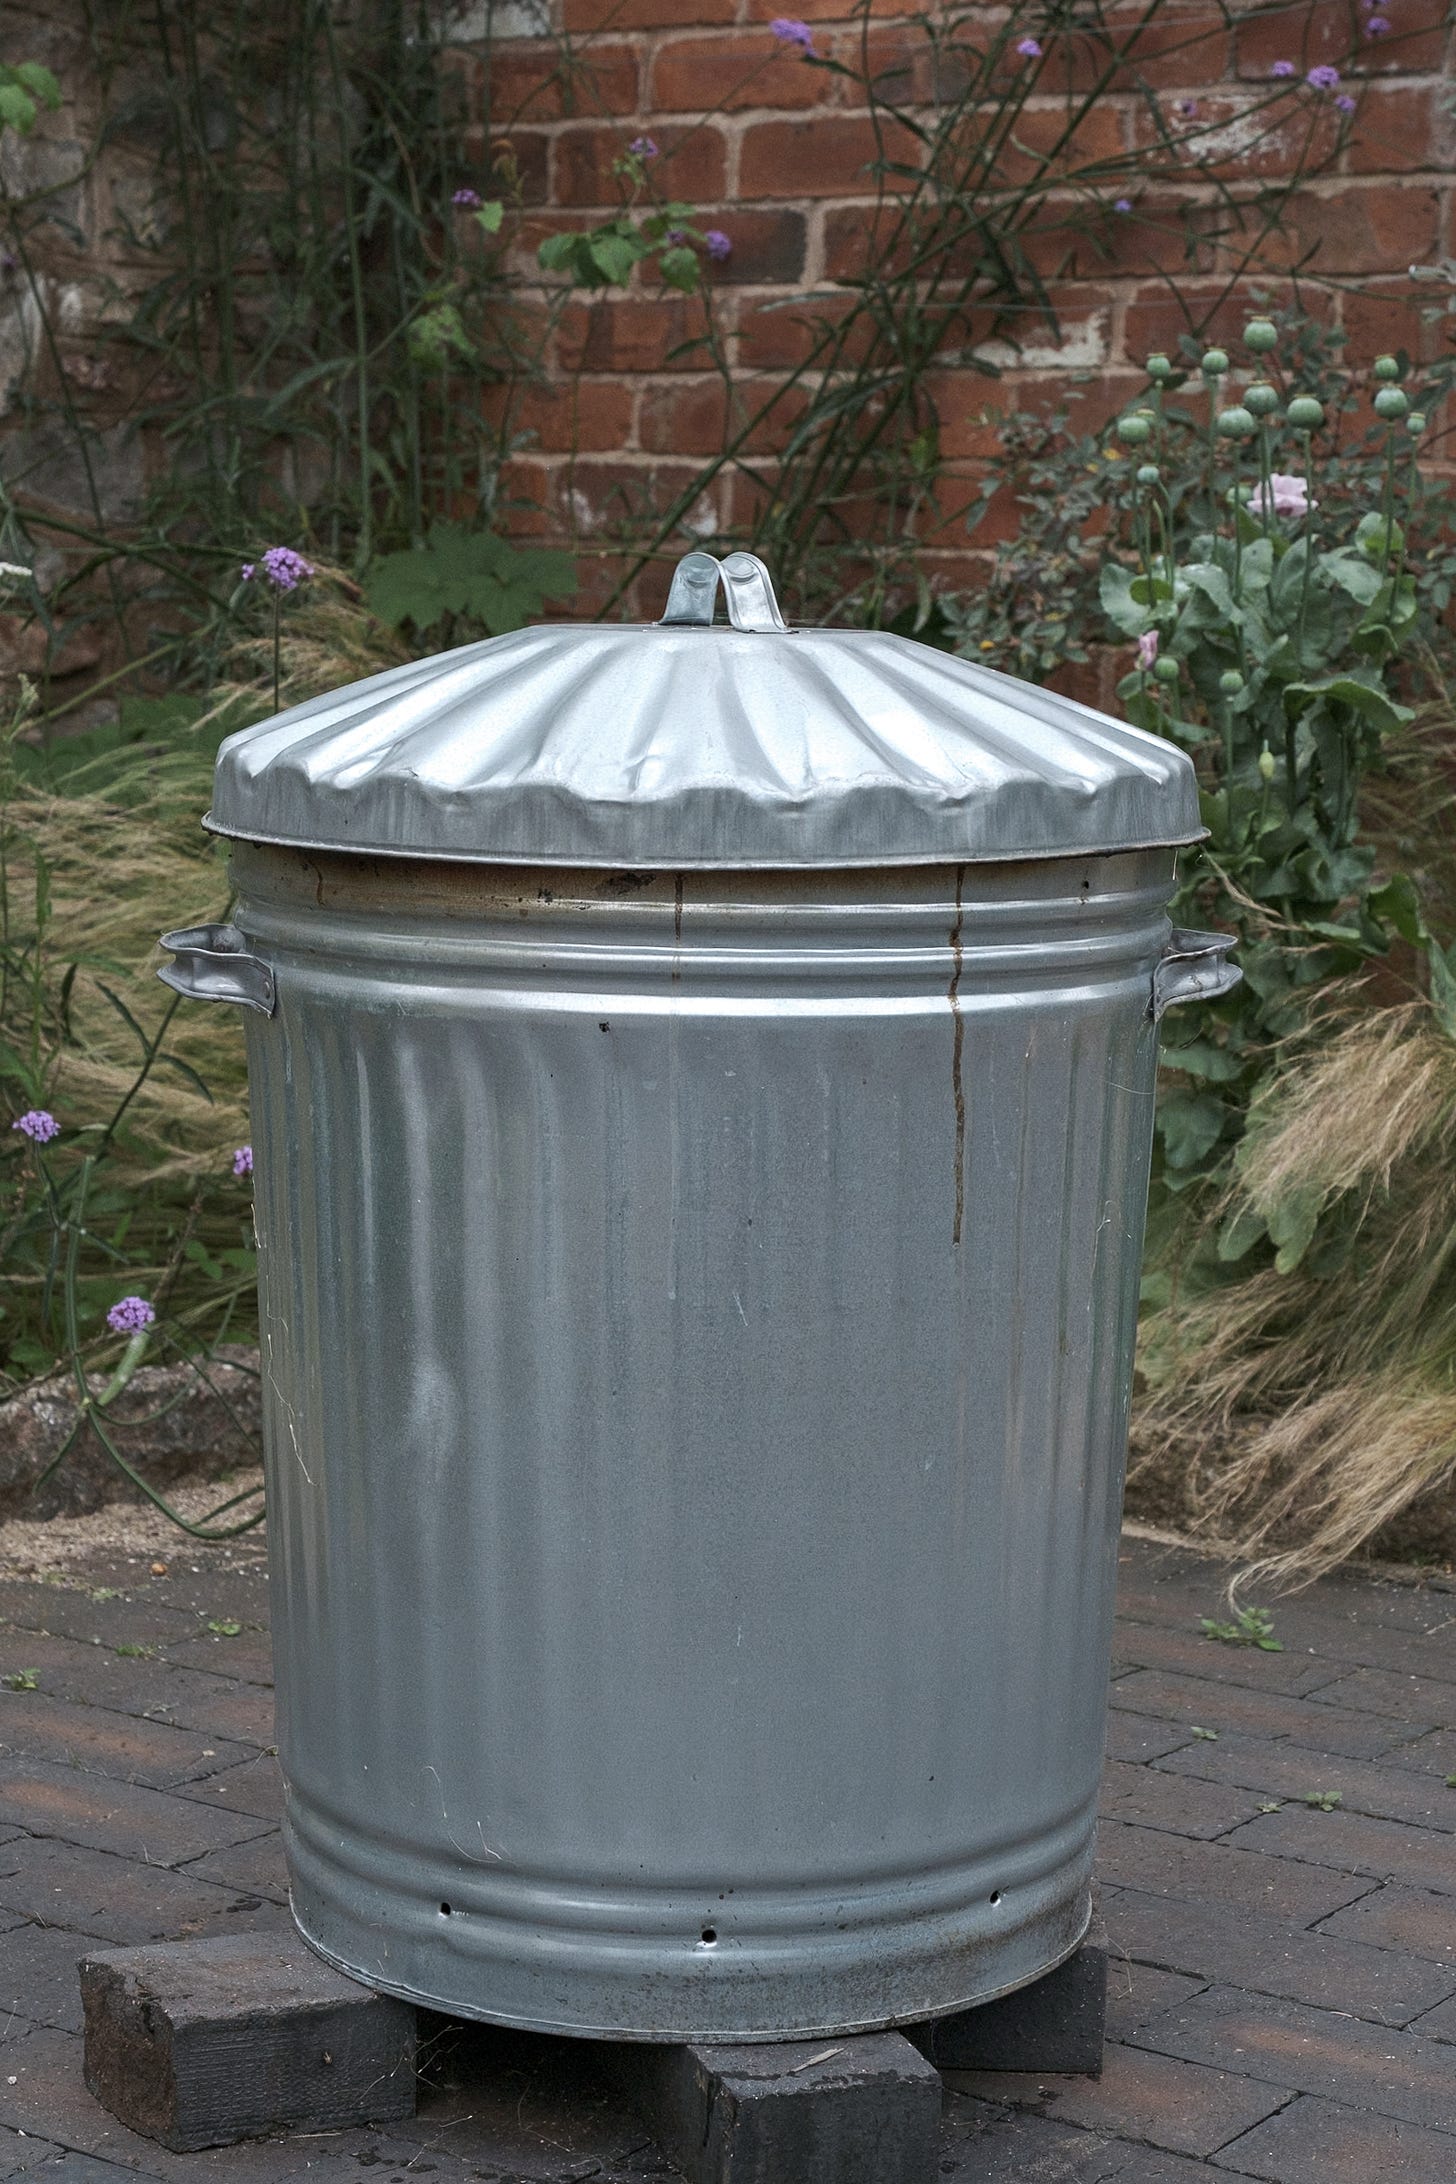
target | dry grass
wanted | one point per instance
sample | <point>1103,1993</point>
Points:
<point>1314,1403</point>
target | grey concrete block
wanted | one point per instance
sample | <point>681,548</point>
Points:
<point>864,2109</point>
<point>1055,2024</point>
<point>199,2043</point>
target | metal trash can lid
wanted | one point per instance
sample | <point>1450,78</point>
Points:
<point>683,744</point>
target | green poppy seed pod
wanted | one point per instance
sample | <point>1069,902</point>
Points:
<point>1214,364</point>
<point>1261,400</point>
<point>1416,422</point>
<point>1305,413</point>
<point>1148,474</point>
<point>1386,368</point>
<point>1260,335</point>
<point>1230,682</point>
<point>1390,403</point>
<point>1266,764</point>
<point>1165,669</point>
<point>1236,423</point>
<point>1134,430</point>
<point>1158,367</point>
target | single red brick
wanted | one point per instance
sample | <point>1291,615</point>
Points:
<point>517,157</point>
<point>527,83</point>
<point>829,157</point>
<point>631,334</point>
<point>1388,316</point>
<point>784,333</point>
<point>1401,129</point>
<point>733,72</point>
<point>768,247</point>
<point>1060,137</point>
<point>1234,136</point>
<point>618,15</point>
<point>587,414</point>
<point>688,417</point>
<point>1323,2142</point>
<point>1126,53</point>
<point>832,11</point>
<point>1359,228</point>
<point>1405,1919</point>
<point>1066,239</point>
<point>1325,33</point>
<point>693,163</point>
<point>1180,2106</point>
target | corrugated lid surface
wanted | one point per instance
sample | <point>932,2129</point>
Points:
<point>685,744</point>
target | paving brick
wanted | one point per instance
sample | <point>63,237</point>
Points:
<point>93,1737</point>
<point>1189,1653</point>
<point>248,1656</point>
<point>1137,1992</point>
<point>58,2165</point>
<point>67,1612</point>
<point>147,1687</point>
<point>1434,1753</point>
<point>1283,1770</point>
<point>1438,2024</point>
<point>1284,2043</point>
<point>1259,1713</point>
<point>987,2142</point>
<point>1279,1888</point>
<point>1386,1986</point>
<point>1429,1701</point>
<point>121,1817</point>
<point>255,1786</point>
<point>1323,2142</point>
<point>256,1867</point>
<point>1355,1844</point>
<point>38,1974</point>
<point>1183,2107</point>
<point>118,1899</point>
<point>1137,1737</point>
<point>1400,1918</point>
<point>1147,1799</point>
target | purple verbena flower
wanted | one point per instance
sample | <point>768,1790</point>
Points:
<point>1323,78</point>
<point>1029,49</point>
<point>248,571</point>
<point>1122,204</point>
<point>1345,103</point>
<point>286,570</point>
<point>1376,26</point>
<point>717,244</point>
<point>643,147</point>
<point>676,236</point>
<point>243,1160</point>
<point>129,1316</point>
<point>1282,68</point>
<point>1287,495</point>
<point>468,200</point>
<point>1186,107</point>
<point>790,31</point>
<point>1147,648</point>
<point>38,1124</point>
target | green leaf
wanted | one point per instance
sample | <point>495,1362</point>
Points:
<point>1364,698</point>
<point>615,253</point>
<point>1206,578</point>
<point>1397,904</point>
<point>476,574</point>
<point>1443,989</point>
<point>1353,574</point>
<point>1190,1126</point>
<point>490,215</point>
<point>679,268</point>
<point>17,108</point>
<point>40,83</point>
<point>557,253</point>
<point>1115,591</point>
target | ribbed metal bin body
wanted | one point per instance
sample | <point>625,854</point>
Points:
<point>698,1319</point>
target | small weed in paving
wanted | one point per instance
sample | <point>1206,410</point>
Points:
<point>224,1630</point>
<point>136,1653</point>
<point>1323,1800</point>
<point>1271,1804</point>
<point>1252,1627</point>
<point>1209,1736</point>
<point>22,1679</point>
<point>1451,1781</point>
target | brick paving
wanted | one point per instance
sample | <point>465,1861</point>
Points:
<point>1284,1990</point>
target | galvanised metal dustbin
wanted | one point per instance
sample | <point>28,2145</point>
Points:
<point>702,1086</point>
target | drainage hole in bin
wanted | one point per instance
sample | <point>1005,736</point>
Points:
<point>995,1895</point>
<point>710,1935</point>
<point>444,1910</point>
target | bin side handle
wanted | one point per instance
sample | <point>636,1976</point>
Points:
<point>215,963</point>
<point>1193,967</point>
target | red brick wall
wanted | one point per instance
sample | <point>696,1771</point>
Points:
<point>773,152</point>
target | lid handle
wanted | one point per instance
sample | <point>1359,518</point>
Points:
<point>751,601</point>
<point>693,594</point>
